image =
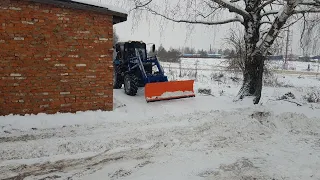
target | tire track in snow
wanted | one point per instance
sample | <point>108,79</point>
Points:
<point>79,166</point>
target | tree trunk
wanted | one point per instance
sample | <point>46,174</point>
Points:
<point>254,60</point>
<point>252,78</point>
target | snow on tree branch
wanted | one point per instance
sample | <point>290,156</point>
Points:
<point>266,3</point>
<point>307,10</point>
<point>232,7</point>
<point>311,2</point>
<point>271,12</point>
<point>265,22</point>
<point>304,7</point>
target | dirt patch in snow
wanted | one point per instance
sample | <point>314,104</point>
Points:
<point>26,137</point>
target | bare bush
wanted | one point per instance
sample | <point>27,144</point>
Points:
<point>236,61</point>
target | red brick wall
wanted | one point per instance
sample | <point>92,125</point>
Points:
<point>54,59</point>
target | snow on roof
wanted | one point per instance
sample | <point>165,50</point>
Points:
<point>100,4</point>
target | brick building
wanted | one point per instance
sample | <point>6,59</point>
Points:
<point>56,56</point>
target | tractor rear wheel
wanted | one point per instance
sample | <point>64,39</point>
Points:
<point>131,83</point>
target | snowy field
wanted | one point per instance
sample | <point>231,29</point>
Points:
<point>208,137</point>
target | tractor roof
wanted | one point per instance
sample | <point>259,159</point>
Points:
<point>126,42</point>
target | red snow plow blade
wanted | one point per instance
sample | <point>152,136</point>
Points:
<point>169,90</point>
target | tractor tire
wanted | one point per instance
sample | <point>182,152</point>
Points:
<point>131,83</point>
<point>117,84</point>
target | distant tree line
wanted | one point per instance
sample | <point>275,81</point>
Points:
<point>174,54</point>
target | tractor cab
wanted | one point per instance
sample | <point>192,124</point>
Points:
<point>130,49</point>
<point>125,53</point>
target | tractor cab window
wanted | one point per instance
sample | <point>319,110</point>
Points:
<point>136,50</point>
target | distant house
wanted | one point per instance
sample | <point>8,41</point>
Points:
<point>275,57</point>
<point>56,56</point>
<point>216,56</point>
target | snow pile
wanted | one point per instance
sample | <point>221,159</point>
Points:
<point>100,4</point>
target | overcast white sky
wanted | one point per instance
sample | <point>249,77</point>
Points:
<point>153,30</point>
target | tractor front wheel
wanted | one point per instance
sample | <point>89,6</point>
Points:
<point>131,83</point>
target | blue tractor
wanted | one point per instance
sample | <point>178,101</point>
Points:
<point>133,69</point>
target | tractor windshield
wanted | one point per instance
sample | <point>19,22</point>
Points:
<point>137,50</point>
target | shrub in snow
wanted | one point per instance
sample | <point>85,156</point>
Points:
<point>288,95</point>
<point>204,91</point>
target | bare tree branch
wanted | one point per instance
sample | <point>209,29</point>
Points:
<point>138,4</point>
<point>226,21</point>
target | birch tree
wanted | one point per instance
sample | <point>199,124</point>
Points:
<point>261,20</point>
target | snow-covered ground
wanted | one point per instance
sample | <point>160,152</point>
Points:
<point>200,138</point>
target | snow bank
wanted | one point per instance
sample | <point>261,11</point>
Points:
<point>100,4</point>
